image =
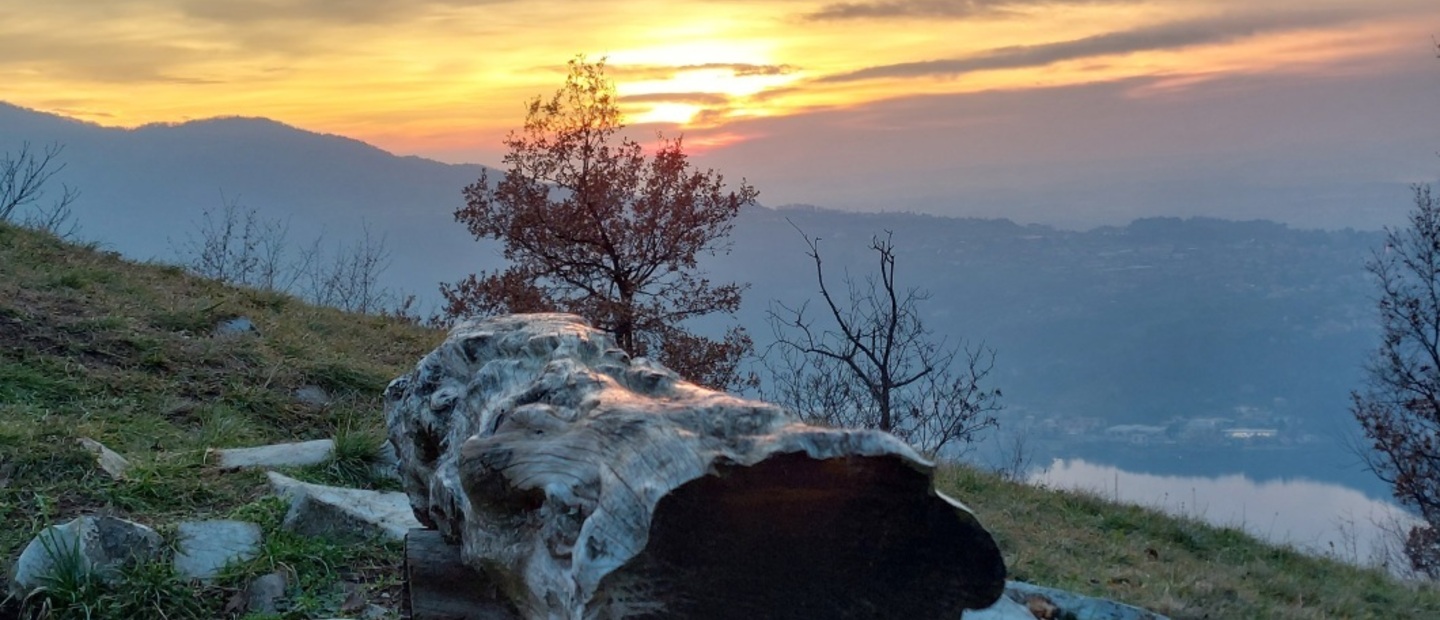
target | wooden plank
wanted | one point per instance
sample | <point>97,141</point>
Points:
<point>441,587</point>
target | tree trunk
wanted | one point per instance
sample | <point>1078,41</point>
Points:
<point>591,486</point>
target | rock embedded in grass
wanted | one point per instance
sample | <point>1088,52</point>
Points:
<point>92,544</point>
<point>297,454</point>
<point>263,592</point>
<point>342,513</point>
<point>238,326</point>
<point>312,396</point>
<point>205,547</point>
<point>108,460</point>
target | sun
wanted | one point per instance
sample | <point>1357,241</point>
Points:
<point>665,112</point>
<point>682,82</point>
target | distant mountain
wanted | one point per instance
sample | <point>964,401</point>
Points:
<point>1141,323</point>
<point>146,187</point>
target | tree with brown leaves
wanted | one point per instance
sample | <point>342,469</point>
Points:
<point>1399,405</point>
<point>594,225</point>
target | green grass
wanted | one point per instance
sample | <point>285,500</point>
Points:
<point>144,589</point>
<point>94,346</point>
<point>1180,567</point>
<point>322,573</point>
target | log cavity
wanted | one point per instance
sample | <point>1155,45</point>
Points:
<point>795,537</point>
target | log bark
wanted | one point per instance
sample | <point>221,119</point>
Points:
<point>593,486</point>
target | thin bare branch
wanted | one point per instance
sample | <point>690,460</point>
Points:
<point>876,365</point>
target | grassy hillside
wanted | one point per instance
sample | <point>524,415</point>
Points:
<point>94,346</point>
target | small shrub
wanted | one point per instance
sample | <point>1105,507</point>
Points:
<point>342,379</point>
<point>273,301</point>
<point>81,277</point>
<point>37,380</point>
<point>356,453</point>
<point>73,590</point>
<point>199,320</point>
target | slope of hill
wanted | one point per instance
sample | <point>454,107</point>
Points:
<point>95,346</point>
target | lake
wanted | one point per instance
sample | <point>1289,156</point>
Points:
<point>1313,516</point>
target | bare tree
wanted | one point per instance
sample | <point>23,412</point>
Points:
<point>236,246</point>
<point>349,278</point>
<point>871,362</point>
<point>1399,403</point>
<point>23,179</point>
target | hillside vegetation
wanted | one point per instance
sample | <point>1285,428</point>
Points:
<point>94,346</point>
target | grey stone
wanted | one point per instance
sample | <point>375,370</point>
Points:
<point>371,612</point>
<point>1078,606</point>
<point>108,460</point>
<point>312,396</point>
<point>103,545</point>
<point>1003,609</point>
<point>297,454</point>
<point>238,326</point>
<point>344,514</point>
<point>205,547</point>
<point>262,593</point>
<point>387,463</point>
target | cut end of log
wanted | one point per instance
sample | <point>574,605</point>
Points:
<point>796,537</point>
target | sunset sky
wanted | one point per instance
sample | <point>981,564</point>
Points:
<point>840,104</point>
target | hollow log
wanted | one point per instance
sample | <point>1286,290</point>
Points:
<point>589,485</point>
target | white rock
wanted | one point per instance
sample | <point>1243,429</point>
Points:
<point>319,510</point>
<point>312,396</point>
<point>107,459</point>
<point>297,454</point>
<point>1003,609</point>
<point>1079,606</point>
<point>238,326</point>
<point>103,544</point>
<point>205,547</point>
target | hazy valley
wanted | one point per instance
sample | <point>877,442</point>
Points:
<point>1165,332</point>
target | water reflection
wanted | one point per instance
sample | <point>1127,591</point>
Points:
<point>1312,516</point>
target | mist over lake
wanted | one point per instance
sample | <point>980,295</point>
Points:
<point>1317,517</point>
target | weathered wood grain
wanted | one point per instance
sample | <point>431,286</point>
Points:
<point>595,486</point>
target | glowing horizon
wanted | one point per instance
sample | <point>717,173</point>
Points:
<point>442,76</point>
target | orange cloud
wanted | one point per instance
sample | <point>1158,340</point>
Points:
<point>438,75</point>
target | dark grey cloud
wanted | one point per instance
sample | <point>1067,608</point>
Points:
<point>696,98</point>
<point>952,9</point>
<point>1173,35</point>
